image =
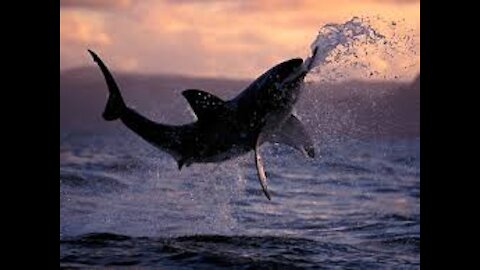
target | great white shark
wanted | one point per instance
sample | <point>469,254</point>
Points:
<point>226,128</point>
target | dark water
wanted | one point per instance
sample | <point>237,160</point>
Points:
<point>123,203</point>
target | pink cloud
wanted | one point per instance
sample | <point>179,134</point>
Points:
<point>207,38</point>
<point>95,4</point>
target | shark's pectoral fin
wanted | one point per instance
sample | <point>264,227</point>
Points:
<point>205,105</point>
<point>262,177</point>
<point>294,134</point>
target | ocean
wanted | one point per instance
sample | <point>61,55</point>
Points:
<point>124,203</point>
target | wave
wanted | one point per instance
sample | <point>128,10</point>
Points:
<point>217,251</point>
<point>201,251</point>
<point>94,182</point>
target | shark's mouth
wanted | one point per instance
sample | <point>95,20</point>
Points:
<point>300,70</point>
<point>294,76</point>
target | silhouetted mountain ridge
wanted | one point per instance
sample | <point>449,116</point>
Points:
<point>352,108</point>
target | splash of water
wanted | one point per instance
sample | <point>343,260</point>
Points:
<point>357,49</point>
<point>333,35</point>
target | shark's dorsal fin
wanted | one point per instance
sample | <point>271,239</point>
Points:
<point>294,134</point>
<point>204,104</point>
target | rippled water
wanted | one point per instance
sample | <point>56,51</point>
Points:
<point>122,202</point>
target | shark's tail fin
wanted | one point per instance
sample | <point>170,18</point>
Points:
<point>114,108</point>
<point>115,104</point>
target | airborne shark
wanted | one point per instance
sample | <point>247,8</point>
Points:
<point>226,128</point>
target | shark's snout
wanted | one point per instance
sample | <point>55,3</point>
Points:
<point>292,64</point>
<point>286,69</point>
<point>295,62</point>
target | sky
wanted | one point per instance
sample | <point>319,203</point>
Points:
<point>214,38</point>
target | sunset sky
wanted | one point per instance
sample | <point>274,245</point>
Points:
<point>238,39</point>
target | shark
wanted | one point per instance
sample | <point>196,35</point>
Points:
<point>225,129</point>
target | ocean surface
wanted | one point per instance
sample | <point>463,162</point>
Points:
<point>125,203</point>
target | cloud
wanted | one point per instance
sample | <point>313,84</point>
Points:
<point>398,1</point>
<point>206,38</point>
<point>95,4</point>
<point>77,29</point>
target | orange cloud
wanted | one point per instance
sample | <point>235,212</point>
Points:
<point>95,4</point>
<point>78,31</point>
<point>77,28</point>
<point>212,38</point>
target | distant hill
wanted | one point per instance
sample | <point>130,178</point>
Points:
<point>363,109</point>
<point>355,108</point>
<point>83,94</point>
